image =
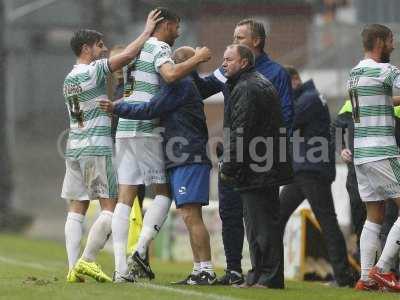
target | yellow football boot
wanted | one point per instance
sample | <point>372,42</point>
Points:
<point>91,269</point>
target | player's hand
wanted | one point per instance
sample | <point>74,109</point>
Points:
<point>152,20</point>
<point>203,54</point>
<point>347,156</point>
<point>106,105</point>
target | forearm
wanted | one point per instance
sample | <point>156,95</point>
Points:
<point>174,72</point>
<point>137,111</point>
<point>129,53</point>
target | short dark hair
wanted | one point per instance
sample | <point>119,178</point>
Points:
<point>371,33</point>
<point>244,53</point>
<point>167,15</point>
<point>82,37</point>
<point>292,71</point>
<point>257,30</point>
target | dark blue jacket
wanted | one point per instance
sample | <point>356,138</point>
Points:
<point>181,111</point>
<point>312,119</point>
<point>273,71</point>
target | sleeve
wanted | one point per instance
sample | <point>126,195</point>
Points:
<point>342,123</point>
<point>170,97</point>
<point>102,69</point>
<point>286,96</point>
<point>393,78</point>
<point>209,85</point>
<point>304,109</point>
<point>162,56</point>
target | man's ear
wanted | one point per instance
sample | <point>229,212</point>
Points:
<point>85,48</point>
<point>256,42</point>
<point>244,63</point>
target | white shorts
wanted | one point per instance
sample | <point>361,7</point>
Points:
<point>379,180</point>
<point>89,178</point>
<point>140,160</point>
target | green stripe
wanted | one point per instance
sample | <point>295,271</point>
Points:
<point>96,131</point>
<point>136,127</point>
<point>141,86</point>
<point>367,72</point>
<point>376,90</point>
<point>90,115</point>
<point>92,93</point>
<point>375,151</point>
<point>147,47</point>
<point>88,151</point>
<point>391,77</point>
<point>145,66</point>
<point>394,163</point>
<point>373,131</point>
<point>77,79</point>
<point>111,178</point>
<point>376,110</point>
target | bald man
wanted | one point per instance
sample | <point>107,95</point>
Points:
<point>181,111</point>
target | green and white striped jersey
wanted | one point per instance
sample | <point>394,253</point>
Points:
<point>141,83</point>
<point>370,88</point>
<point>90,127</point>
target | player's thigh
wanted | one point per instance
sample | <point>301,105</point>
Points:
<point>126,161</point>
<point>74,185</point>
<point>150,158</point>
<point>99,177</point>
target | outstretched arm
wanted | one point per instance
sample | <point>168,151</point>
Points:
<point>116,62</point>
<point>169,98</point>
<point>172,72</point>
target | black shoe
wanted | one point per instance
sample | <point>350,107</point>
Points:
<point>204,278</point>
<point>187,281</point>
<point>141,266</point>
<point>231,278</point>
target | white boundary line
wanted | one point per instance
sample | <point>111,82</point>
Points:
<point>12,261</point>
<point>186,292</point>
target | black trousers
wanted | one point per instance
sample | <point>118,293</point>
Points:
<point>263,230</point>
<point>231,214</point>
<point>319,195</point>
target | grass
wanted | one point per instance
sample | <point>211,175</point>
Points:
<point>36,269</point>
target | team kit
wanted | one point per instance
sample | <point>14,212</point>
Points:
<point>157,82</point>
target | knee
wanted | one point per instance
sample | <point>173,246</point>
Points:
<point>376,212</point>
<point>190,215</point>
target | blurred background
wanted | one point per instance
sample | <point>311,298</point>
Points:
<point>320,37</point>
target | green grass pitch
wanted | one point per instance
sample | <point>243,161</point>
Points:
<point>36,269</point>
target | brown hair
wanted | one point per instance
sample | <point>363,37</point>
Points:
<point>257,30</point>
<point>371,33</point>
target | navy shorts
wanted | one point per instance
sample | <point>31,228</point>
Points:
<point>190,184</point>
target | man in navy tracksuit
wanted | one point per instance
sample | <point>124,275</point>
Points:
<point>314,171</point>
<point>181,111</point>
<point>251,34</point>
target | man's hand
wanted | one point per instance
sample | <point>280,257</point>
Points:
<point>152,21</point>
<point>203,54</point>
<point>347,156</point>
<point>106,105</point>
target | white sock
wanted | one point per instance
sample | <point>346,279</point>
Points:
<point>196,268</point>
<point>120,228</point>
<point>391,249</point>
<point>153,220</point>
<point>73,235</point>
<point>98,235</point>
<point>207,266</point>
<point>370,247</point>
